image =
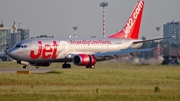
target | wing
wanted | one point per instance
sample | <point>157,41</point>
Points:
<point>153,39</point>
<point>121,53</point>
<point>112,54</point>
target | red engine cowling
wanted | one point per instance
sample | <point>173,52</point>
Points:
<point>84,60</point>
<point>41,64</point>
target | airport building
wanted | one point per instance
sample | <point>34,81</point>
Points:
<point>172,29</point>
<point>4,37</point>
<point>20,35</point>
<point>24,33</point>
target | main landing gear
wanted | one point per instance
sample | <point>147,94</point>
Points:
<point>91,67</point>
<point>65,65</point>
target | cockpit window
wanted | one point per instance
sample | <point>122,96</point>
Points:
<point>18,46</point>
<point>21,46</point>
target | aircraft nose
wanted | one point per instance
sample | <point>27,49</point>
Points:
<point>11,53</point>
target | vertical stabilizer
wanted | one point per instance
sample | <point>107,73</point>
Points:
<point>132,27</point>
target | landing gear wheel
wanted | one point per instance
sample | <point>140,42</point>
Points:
<point>25,67</point>
<point>66,66</point>
<point>87,67</point>
<point>91,67</point>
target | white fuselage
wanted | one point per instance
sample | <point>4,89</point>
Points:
<point>57,49</point>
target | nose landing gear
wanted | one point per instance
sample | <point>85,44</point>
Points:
<point>25,67</point>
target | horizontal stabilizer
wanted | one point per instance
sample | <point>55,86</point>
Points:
<point>152,39</point>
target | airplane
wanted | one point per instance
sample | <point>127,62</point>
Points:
<point>83,51</point>
<point>3,54</point>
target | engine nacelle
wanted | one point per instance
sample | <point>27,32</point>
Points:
<point>41,64</point>
<point>84,60</point>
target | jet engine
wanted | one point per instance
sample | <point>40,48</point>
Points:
<point>84,60</point>
<point>41,64</point>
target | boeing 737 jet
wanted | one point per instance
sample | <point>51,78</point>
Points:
<point>83,51</point>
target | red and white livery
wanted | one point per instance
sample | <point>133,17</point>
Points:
<point>83,51</point>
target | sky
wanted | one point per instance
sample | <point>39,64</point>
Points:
<point>57,17</point>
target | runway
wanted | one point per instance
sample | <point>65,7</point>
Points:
<point>32,70</point>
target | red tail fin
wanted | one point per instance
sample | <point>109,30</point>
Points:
<point>131,29</point>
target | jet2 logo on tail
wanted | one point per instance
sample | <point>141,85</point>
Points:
<point>46,51</point>
<point>133,19</point>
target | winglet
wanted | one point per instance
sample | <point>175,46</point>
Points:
<point>132,27</point>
